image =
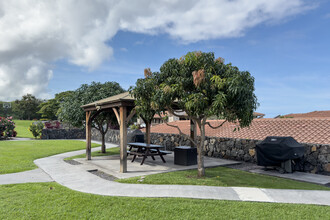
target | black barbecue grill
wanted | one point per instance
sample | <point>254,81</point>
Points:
<point>279,151</point>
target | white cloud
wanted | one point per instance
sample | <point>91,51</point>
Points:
<point>36,33</point>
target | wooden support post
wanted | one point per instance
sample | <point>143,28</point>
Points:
<point>123,140</point>
<point>192,133</point>
<point>88,135</point>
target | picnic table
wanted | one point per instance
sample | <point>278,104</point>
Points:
<point>144,150</point>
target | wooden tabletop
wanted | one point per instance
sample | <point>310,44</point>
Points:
<point>138,144</point>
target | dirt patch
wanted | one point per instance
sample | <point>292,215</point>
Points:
<point>72,162</point>
<point>103,175</point>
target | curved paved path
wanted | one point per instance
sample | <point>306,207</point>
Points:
<point>30,176</point>
<point>53,168</point>
<point>77,178</point>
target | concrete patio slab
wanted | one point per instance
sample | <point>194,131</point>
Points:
<point>300,176</point>
<point>110,165</point>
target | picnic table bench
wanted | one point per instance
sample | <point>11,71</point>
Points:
<point>144,150</point>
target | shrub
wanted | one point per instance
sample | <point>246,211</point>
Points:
<point>36,129</point>
<point>134,126</point>
<point>7,127</point>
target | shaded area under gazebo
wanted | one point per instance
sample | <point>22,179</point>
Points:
<point>123,106</point>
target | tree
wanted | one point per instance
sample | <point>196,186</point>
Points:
<point>5,112</point>
<point>27,107</point>
<point>70,109</point>
<point>203,86</point>
<point>143,92</point>
<point>51,107</point>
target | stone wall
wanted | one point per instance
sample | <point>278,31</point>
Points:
<point>112,136</point>
<point>63,134</point>
<point>316,158</point>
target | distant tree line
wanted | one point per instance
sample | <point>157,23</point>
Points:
<point>25,108</point>
<point>66,107</point>
<point>29,107</point>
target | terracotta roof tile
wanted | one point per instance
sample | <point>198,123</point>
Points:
<point>314,114</point>
<point>311,130</point>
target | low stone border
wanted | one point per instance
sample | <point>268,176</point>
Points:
<point>63,134</point>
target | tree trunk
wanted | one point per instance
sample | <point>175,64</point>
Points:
<point>101,130</point>
<point>200,151</point>
<point>103,149</point>
<point>148,132</point>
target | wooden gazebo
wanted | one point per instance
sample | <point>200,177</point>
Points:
<point>123,107</point>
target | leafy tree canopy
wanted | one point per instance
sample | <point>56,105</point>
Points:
<point>143,93</point>
<point>27,107</point>
<point>51,107</point>
<point>203,86</point>
<point>70,108</point>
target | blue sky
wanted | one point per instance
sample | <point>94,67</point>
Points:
<point>286,50</point>
<point>290,61</point>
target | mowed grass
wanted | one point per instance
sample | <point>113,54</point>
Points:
<point>53,201</point>
<point>109,151</point>
<point>218,176</point>
<point>222,176</point>
<point>18,156</point>
<point>22,128</point>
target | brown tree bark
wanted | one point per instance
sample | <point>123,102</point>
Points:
<point>200,151</point>
<point>148,125</point>
<point>103,149</point>
<point>101,130</point>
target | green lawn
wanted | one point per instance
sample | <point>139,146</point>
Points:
<point>222,176</point>
<point>18,156</point>
<point>22,128</point>
<point>218,176</point>
<point>53,201</point>
<point>110,151</point>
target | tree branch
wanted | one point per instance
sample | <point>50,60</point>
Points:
<point>129,117</point>
<point>215,127</point>
<point>97,128</point>
<point>181,133</point>
<point>180,116</point>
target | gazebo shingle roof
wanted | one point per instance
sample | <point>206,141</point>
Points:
<point>122,97</point>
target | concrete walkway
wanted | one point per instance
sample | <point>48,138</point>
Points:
<point>31,176</point>
<point>77,178</point>
<point>299,176</point>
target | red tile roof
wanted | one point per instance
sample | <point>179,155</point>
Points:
<point>317,114</point>
<point>257,114</point>
<point>162,115</point>
<point>312,130</point>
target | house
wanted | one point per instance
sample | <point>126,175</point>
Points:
<point>304,130</point>
<point>159,119</point>
<point>314,114</point>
